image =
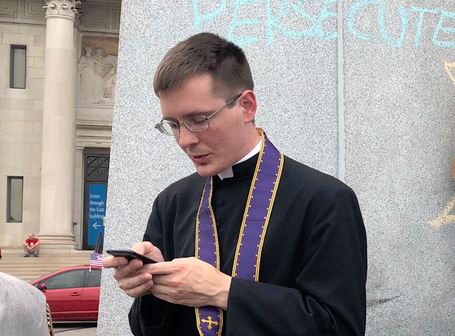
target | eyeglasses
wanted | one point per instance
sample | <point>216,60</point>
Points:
<point>194,124</point>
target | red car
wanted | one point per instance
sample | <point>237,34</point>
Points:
<point>73,293</point>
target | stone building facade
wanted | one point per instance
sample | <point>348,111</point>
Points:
<point>58,66</point>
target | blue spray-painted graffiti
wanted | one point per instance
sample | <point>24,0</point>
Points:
<point>441,30</point>
<point>422,12</point>
<point>356,9</point>
<point>274,21</point>
<point>317,25</point>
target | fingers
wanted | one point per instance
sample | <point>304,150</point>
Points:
<point>127,271</point>
<point>144,247</point>
<point>175,266</point>
<point>133,277</point>
<point>128,275</point>
<point>148,249</point>
<point>164,293</point>
<point>140,248</point>
<point>138,285</point>
<point>129,278</point>
<point>110,262</point>
<point>168,280</point>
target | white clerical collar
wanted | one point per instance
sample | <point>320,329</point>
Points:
<point>227,173</point>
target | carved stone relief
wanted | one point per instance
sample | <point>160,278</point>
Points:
<point>98,70</point>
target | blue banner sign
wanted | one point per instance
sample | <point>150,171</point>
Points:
<point>96,211</point>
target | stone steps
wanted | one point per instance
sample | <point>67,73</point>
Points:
<point>14,263</point>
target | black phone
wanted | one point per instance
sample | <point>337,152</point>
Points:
<point>130,255</point>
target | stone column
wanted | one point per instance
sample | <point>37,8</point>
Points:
<point>78,211</point>
<point>59,127</point>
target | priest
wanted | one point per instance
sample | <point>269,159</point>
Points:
<point>252,243</point>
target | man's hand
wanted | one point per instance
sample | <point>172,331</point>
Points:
<point>190,282</point>
<point>132,276</point>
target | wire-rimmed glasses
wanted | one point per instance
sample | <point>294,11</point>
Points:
<point>194,124</point>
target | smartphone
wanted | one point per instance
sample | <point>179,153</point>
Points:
<point>130,255</point>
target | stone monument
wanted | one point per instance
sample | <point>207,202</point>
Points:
<point>355,88</point>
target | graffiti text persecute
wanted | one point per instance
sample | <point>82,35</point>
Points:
<point>275,12</point>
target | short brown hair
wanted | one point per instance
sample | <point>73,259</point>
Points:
<point>205,53</point>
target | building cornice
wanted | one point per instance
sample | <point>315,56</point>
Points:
<point>100,125</point>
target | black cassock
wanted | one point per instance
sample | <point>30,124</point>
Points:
<point>313,265</point>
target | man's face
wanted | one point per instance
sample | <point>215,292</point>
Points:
<point>231,134</point>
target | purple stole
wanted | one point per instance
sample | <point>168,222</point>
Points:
<point>256,216</point>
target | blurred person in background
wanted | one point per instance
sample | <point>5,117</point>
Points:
<point>23,309</point>
<point>31,246</point>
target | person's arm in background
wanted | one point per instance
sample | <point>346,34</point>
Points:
<point>37,243</point>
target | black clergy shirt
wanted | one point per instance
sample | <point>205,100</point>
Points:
<point>228,203</point>
<point>313,266</point>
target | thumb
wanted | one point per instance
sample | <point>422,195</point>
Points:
<point>149,250</point>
